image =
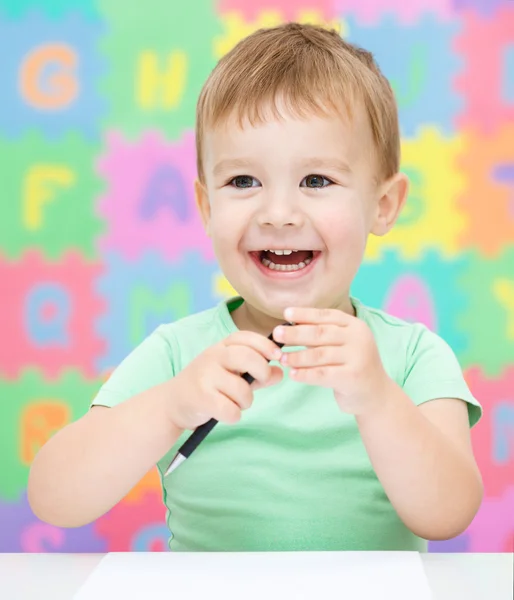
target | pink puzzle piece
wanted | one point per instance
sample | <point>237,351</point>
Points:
<point>48,317</point>
<point>494,394</point>
<point>493,528</point>
<point>121,526</point>
<point>289,10</point>
<point>483,45</point>
<point>149,203</point>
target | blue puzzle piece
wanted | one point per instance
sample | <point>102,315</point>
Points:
<point>420,64</point>
<point>51,72</point>
<point>144,294</point>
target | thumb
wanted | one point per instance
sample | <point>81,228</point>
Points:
<point>276,376</point>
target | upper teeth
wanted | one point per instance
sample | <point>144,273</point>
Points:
<point>279,252</point>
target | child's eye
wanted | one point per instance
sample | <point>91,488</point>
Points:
<point>244,181</point>
<point>315,181</point>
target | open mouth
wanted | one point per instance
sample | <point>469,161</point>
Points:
<point>285,260</point>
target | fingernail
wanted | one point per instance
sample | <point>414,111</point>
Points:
<point>277,354</point>
<point>288,313</point>
<point>278,333</point>
<point>283,360</point>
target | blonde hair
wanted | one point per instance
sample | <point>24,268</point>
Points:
<point>311,69</point>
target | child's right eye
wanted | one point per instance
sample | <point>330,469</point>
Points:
<point>244,181</point>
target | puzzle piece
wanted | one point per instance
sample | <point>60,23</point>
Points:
<point>492,529</point>
<point>236,27</point>
<point>33,409</point>
<point>50,76</point>
<point>457,544</point>
<point>48,315</point>
<point>23,532</point>
<point>493,437</point>
<point>369,12</point>
<point>431,218</point>
<point>489,314</point>
<point>287,10</point>
<point>486,46</point>
<point>488,196</point>
<point>149,203</point>
<point>51,186</point>
<point>140,295</point>
<point>419,62</point>
<point>137,526</point>
<point>486,8</point>
<point>150,483</point>
<point>160,54</point>
<point>54,9</point>
<point>423,291</point>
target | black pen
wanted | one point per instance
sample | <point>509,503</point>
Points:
<point>201,432</point>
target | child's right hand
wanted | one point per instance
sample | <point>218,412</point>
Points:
<point>211,386</point>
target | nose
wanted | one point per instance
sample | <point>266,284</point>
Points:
<point>279,211</point>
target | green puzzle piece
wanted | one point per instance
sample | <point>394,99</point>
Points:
<point>159,55</point>
<point>489,319</point>
<point>48,192</point>
<point>32,410</point>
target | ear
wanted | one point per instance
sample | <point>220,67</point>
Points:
<point>392,196</point>
<point>202,202</point>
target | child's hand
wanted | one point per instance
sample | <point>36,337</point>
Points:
<point>211,386</point>
<point>341,354</point>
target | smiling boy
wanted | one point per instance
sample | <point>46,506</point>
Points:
<point>364,442</point>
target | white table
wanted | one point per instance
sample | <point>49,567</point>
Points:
<point>451,576</point>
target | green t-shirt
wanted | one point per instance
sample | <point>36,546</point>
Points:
<point>293,474</point>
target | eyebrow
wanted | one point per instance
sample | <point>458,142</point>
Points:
<point>311,163</point>
<point>324,163</point>
<point>230,164</point>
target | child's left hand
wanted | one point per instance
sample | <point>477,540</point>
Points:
<point>340,353</point>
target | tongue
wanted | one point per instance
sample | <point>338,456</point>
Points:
<point>294,258</point>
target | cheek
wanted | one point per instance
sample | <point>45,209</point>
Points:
<point>226,227</point>
<point>345,226</point>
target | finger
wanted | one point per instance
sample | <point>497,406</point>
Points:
<point>317,315</point>
<point>324,376</point>
<point>236,389</point>
<point>241,359</point>
<point>310,335</point>
<point>224,410</point>
<point>314,357</point>
<point>276,377</point>
<point>264,346</point>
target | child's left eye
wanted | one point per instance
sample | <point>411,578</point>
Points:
<point>315,181</point>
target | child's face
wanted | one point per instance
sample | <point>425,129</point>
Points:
<point>291,184</point>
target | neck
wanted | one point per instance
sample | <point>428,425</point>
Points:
<point>249,318</point>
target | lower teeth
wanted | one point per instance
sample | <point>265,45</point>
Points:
<point>275,267</point>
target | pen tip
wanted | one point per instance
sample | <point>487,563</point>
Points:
<point>176,462</point>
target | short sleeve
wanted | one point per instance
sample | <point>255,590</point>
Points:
<point>149,364</point>
<point>433,371</point>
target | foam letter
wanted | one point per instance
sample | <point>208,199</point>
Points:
<point>47,77</point>
<point>152,538</point>
<point>409,298</point>
<point>503,432</point>
<point>171,83</point>
<point>47,311</point>
<point>417,76</point>
<point>175,302</point>
<point>508,79</point>
<point>39,189</point>
<point>38,423</point>
<point>415,206</point>
<point>41,537</point>
<point>166,189</point>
